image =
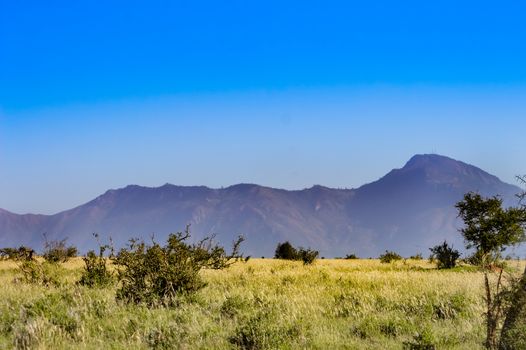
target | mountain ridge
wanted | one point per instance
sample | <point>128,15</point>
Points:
<point>406,210</point>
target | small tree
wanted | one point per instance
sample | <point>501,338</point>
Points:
<point>444,256</point>
<point>389,257</point>
<point>286,251</point>
<point>490,229</point>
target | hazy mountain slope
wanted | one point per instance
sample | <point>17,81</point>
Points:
<point>412,208</point>
<point>408,210</point>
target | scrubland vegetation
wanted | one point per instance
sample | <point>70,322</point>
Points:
<point>181,295</point>
<point>259,304</point>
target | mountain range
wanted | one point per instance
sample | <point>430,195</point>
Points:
<point>408,210</point>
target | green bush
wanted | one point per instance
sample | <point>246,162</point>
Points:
<point>21,253</point>
<point>351,256</point>
<point>46,274</point>
<point>389,257</point>
<point>286,251</point>
<point>57,252</point>
<point>157,275</point>
<point>308,256</point>
<point>445,256</point>
<point>96,273</point>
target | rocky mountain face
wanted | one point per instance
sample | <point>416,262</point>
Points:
<point>408,210</point>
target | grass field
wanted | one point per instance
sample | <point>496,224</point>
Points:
<point>264,303</point>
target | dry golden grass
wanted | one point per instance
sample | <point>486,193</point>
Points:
<point>264,303</point>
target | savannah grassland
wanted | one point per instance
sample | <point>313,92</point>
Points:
<point>259,304</point>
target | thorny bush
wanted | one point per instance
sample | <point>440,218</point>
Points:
<point>156,275</point>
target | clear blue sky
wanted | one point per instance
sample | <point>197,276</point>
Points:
<point>97,95</point>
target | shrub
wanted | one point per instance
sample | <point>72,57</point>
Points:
<point>57,252</point>
<point>389,257</point>
<point>156,275</point>
<point>36,272</point>
<point>286,251</point>
<point>351,256</point>
<point>21,253</point>
<point>417,256</point>
<point>445,256</point>
<point>96,273</point>
<point>308,256</point>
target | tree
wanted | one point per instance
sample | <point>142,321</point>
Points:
<point>286,251</point>
<point>444,255</point>
<point>490,229</point>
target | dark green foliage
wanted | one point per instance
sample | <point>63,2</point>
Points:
<point>156,275</point>
<point>96,273</point>
<point>389,257</point>
<point>351,256</point>
<point>474,259</point>
<point>57,252</point>
<point>416,257</point>
<point>286,251</point>
<point>22,253</point>
<point>308,256</point>
<point>488,227</point>
<point>445,256</point>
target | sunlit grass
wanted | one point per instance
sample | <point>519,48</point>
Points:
<point>264,303</point>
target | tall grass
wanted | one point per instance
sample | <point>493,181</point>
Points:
<point>260,304</point>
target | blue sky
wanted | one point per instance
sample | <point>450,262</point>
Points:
<point>288,94</point>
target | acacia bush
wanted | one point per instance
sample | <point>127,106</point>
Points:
<point>351,256</point>
<point>157,275</point>
<point>417,256</point>
<point>389,257</point>
<point>287,251</point>
<point>20,253</point>
<point>96,272</point>
<point>307,255</point>
<point>57,252</point>
<point>444,255</point>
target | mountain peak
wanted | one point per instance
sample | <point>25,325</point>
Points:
<point>426,160</point>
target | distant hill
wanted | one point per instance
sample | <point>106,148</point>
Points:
<point>407,210</point>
